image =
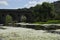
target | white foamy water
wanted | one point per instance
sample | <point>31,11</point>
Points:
<point>14,33</point>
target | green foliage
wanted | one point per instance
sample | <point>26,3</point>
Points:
<point>49,22</point>
<point>23,18</point>
<point>39,13</point>
<point>53,22</point>
<point>43,12</point>
<point>8,20</point>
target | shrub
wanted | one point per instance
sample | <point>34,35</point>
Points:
<point>8,20</point>
<point>23,18</point>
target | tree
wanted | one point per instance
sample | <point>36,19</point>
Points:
<point>8,20</point>
<point>48,10</point>
<point>36,11</point>
<point>43,12</point>
<point>23,18</point>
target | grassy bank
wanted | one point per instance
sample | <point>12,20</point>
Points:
<point>49,22</point>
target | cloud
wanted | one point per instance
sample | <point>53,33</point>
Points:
<point>32,3</point>
<point>3,2</point>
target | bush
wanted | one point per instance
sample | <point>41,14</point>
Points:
<point>8,20</point>
<point>23,18</point>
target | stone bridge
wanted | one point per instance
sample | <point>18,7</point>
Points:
<point>16,14</point>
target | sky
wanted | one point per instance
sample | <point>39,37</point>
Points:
<point>15,4</point>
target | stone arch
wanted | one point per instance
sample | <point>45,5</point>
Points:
<point>16,15</point>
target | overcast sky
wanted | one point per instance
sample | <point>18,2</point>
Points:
<point>14,4</point>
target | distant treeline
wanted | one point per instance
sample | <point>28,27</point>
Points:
<point>39,13</point>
